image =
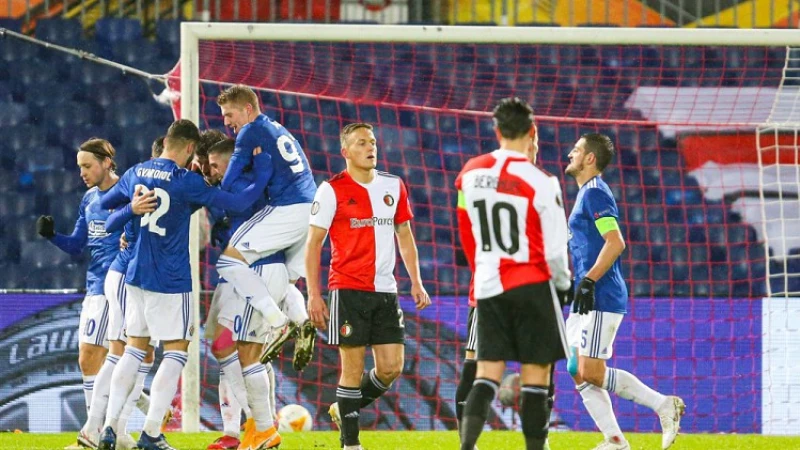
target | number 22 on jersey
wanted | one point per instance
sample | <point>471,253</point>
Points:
<point>150,220</point>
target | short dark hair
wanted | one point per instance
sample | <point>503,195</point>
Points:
<point>100,149</point>
<point>224,147</point>
<point>207,140</point>
<point>182,132</point>
<point>158,147</point>
<point>513,117</point>
<point>601,147</point>
<point>349,128</point>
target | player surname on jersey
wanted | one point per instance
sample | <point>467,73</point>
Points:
<point>154,173</point>
<point>494,182</point>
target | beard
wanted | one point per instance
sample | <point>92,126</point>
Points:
<point>573,169</point>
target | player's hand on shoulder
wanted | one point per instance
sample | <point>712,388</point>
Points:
<point>123,243</point>
<point>584,296</point>
<point>318,312</point>
<point>420,295</point>
<point>143,203</point>
<point>46,226</point>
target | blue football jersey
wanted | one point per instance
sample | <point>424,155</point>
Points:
<point>124,257</point>
<point>290,181</point>
<point>160,261</point>
<point>595,201</point>
<point>90,231</point>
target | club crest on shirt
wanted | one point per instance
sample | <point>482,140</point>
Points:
<point>314,208</point>
<point>346,330</point>
<point>388,200</point>
<point>97,229</point>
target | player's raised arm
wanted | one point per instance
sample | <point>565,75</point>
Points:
<point>118,195</point>
<point>601,206</point>
<point>238,202</point>
<point>239,107</point>
<point>549,205</point>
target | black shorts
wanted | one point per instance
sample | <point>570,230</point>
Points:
<point>472,331</point>
<point>360,318</point>
<point>524,324</point>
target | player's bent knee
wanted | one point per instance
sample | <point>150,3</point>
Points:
<point>90,358</point>
<point>388,375</point>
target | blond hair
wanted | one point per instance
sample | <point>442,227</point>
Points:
<point>349,129</point>
<point>238,95</point>
<point>100,149</point>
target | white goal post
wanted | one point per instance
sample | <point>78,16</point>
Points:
<point>193,32</point>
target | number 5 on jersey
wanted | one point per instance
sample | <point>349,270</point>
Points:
<point>150,220</point>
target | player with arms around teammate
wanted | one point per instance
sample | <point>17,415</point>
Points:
<point>601,300</point>
<point>514,234</point>
<point>281,225</point>
<point>96,163</point>
<point>158,279</point>
<point>363,210</point>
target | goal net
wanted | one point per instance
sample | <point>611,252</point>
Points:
<point>688,111</point>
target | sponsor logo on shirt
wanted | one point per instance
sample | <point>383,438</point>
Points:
<point>97,229</point>
<point>371,222</point>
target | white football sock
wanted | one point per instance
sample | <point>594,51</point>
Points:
<point>231,371</point>
<point>163,389</point>
<point>88,389</point>
<point>271,381</point>
<point>598,403</point>
<point>627,386</point>
<point>137,398</point>
<point>295,305</point>
<point>252,288</point>
<point>258,395</point>
<point>102,385</point>
<point>230,409</point>
<point>122,382</point>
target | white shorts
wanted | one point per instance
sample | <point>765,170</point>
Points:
<point>594,333</point>
<point>273,229</point>
<point>165,317</point>
<point>115,293</point>
<point>235,314</point>
<point>94,320</point>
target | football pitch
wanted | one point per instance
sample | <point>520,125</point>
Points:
<point>401,440</point>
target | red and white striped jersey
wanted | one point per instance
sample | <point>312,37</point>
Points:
<point>512,224</point>
<point>361,219</point>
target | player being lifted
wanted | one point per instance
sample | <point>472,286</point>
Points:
<point>601,300</point>
<point>514,234</point>
<point>158,279</point>
<point>282,225</point>
<point>255,391</point>
<point>363,210</point>
<point>96,163</point>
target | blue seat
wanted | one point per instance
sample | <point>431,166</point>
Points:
<point>113,30</point>
<point>168,34</point>
<point>30,77</point>
<point>138,54</point>
<point>11,24</point>
<point>94,74</point>
<point>59,31</point>
<point>22,229</point>
<point>23,138</point>
<point>12,276</point>
<point>41,255</point>
<point>73,137</point>
<point>679,254</point>
<point>46,159</point>
<point>13,114</point>
<point>68,115</point>
<point>16,51</point>
<point>57,181</point>
<point>17,205</point>
<point>133,115</point>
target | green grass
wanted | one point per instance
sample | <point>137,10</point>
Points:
<point>438,440</point>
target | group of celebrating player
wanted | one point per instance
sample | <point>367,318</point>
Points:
<point>271,220</point>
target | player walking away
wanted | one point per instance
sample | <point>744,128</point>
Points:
<point>96,162</point>
<point>158,279</point>
<point>362,209</point>
<point>513,231</point>
<point>601,300</point>
<point>281,225</point>
<point>256,391</point>
<point>114,288</point>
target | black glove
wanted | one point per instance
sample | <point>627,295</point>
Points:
<point>565,298</point>
<point>584,296</point>
<point>219,232</point>
<point>46,226</point>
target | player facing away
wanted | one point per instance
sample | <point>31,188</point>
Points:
<point>114,289</point>
<point>96,162</point>
<point>514,234</point>
<point>281,225</point>
<point>158,280</point>
<point>255,391</point>
<point>363,210</point>
<point>601,300</point>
